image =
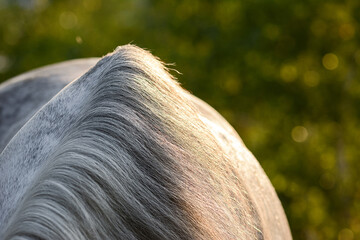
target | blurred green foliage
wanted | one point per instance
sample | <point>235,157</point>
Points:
<point>284,73</point>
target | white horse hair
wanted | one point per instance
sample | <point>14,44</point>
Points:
<point>123,152</point>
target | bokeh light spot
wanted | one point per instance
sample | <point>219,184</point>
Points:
<point>346,31</point>
<point>280,183</point>
<point>293,189</point>
<point>226,12</point>
<point>288,73</point>
<point>346,234</point>
<point>271,31</point>
<point>330,61</point>
<point>299,134</point>
<point>298,207</point>
<point>318,28</point>
<point>78,39</point>
<point>311,78</point>
<point>355,225</point>
<point>316,215</point>
<point>68,20</point>
<point>327,160</point>
<point>232,85</point>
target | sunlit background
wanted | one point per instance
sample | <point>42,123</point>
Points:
<point>284,73</point>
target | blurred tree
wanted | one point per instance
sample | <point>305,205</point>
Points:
<point>285,74</point>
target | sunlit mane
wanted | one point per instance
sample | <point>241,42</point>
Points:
<point>137,157</point>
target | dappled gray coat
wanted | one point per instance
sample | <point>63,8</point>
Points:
<point>114,148</point>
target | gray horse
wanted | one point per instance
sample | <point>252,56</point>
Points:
<point>114,148</point>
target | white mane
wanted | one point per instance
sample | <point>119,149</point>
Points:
<point>123,152</point>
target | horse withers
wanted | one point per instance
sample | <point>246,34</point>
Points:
<point>114,148</point>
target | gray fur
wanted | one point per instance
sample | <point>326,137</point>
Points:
<point>22,96</point>
<point>123,152</point>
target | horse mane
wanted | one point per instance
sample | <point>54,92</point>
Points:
<point>136,161</point>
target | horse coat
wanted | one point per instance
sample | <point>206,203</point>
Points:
<point>114,148</point>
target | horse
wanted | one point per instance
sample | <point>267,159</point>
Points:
<point>115,148</point>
